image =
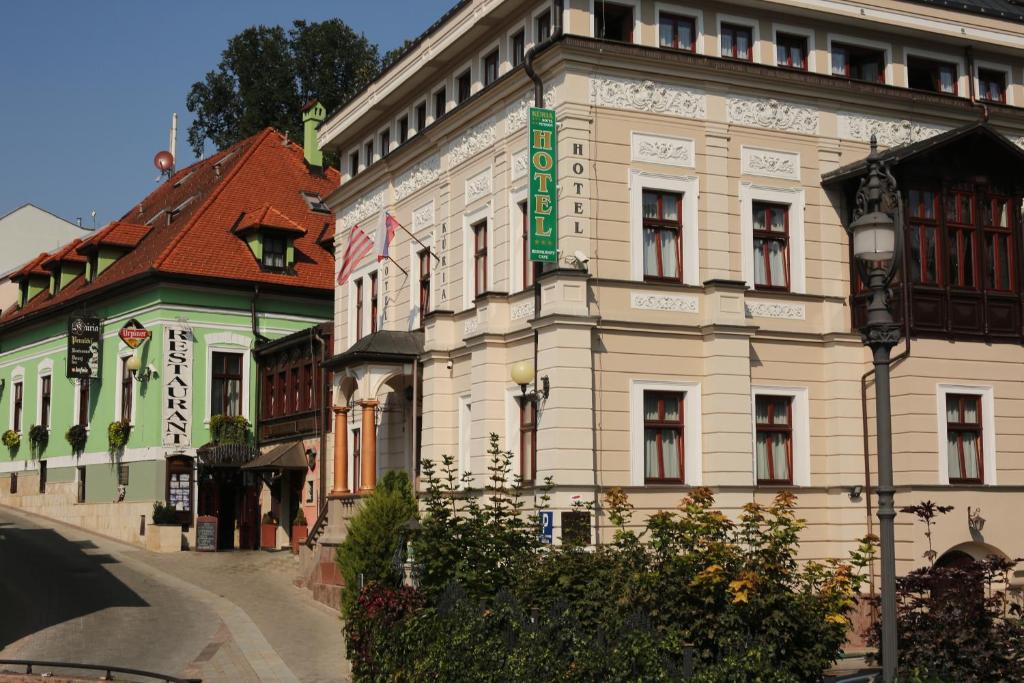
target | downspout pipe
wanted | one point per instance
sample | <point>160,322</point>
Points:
<point>969,58</point>
<point>556,34</point>
<point>325,414</point>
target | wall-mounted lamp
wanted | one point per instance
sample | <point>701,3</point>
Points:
<point>311,458</point>
<point>134,366</point>
<point>856,492</point>
<point>523,375</point>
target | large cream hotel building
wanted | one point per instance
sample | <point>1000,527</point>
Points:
<point>700,327</point>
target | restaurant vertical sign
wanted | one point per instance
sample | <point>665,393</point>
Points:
<point>177,398</point>
<point>543,241</point>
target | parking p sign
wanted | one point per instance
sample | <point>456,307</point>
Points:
<point>547,526</point>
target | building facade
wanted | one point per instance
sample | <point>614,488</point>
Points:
<point>700,325</point>
<point>225,255</point>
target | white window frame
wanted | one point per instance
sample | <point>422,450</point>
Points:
<point>469,218</point>
<point>44,369</point>
<point>693,469</point>
<point>493,46</point>
<point>516,257</point>
<point>988,428</point>
<point>391,130</point>
<point>506,63</point>
<point>413,130</point>
<point>414,276</point>
<point>755,35</point>
<point>76,402</point>
<point>17,375</point>
<point>994,66</point>
<point>679,10</point>
<point>363,272</point>
<point>465,459</point>
<point>689,187</point>
<point>453,83</point>
<point>118,378</point>
<point>889,71</point>
<point>531,31</point>
<point>963,83</point>
<point>432,100</point>
<point>227,342</point>
<point>801,473</point>
<point>807,33</point>
<point>637,24</point>
<point>795,198</point>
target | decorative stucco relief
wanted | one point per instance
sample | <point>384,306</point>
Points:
<point>649,96</point>
<point>364,207</point>
<point>679,303</point>
<point>770,163</point>
<point>479,186</point>
<point>520,164</point>
<point>417,177</point>
<point>659,149</point>
<point>423,217</point>
<point>472,142</point>
<point>762,309</point>
<point>470,326</point>
<point>889,132</point>
<point>774,114</point>
<point>518,113</point>
<point>523,310</point>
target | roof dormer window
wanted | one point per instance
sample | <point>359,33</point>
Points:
<point>270,236</point>
<point>275,251</point>
<point>315,202</point>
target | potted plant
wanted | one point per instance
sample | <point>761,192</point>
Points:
<point>268,531</point>
<point>164,534</point>
<point>76,436</point>
<point>300,530</point>
<point>229,429</point>
<point>38,437</point>
<point>117,435</point>
<point>12,440</point>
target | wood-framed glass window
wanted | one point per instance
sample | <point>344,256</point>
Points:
<point>123,471</point>
<point>403,130</point>
<point>45,399</point>
<point>295,391</point>
<point>83,401</point>
<point>359,308</point>
<point>385,142</point>
<point>923,236</point>
<point>42,476</point>
<point>791,51</point>
<point>80,497</point>
<point>282,393</point>
<point>226,384</point>
<point>531,269</point>
<point>663,236</point>
<point>479,258</point>
<point>737,42</point>
<point>858,63</point>
<point>490,64</point>
<point>374,300</point>
<point>19,405</point>
<point>127,391</point>
<point>424,260</point>
<point>1000,253</point>
<point>463,86</point>
<point>962,238</point>
<point>268,395</point>
<point>773,445</point>
<point>421,116</point>
<point>440,103</point>
<point>542,27</point>
<point>677,32</point>
<point>368,152</point>
<point>518,48</point>
<point>308,400</point>
<point>931,74</point>
<point>274,251</point>
<point>992,85</point>
<point>963,439</point>
<point>353,163</point>
<point>663,436</point>
<point>613,21</point>
<point>771,246</point>
<point>528,441</point>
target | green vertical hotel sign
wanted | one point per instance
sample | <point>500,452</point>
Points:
<point>543,186</point>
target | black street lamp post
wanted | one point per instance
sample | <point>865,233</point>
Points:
<point>877,248</point>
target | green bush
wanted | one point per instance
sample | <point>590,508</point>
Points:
<point>164,514</point>
<point>12,440</point>
<point>300,518</point>
<point>117,435</point>
<point>229,430</point>
<point>374,534</point>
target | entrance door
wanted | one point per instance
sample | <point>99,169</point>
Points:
<point>249,519</point>
<point>227,513</point>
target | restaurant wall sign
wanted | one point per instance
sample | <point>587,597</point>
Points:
<point>543,186</point>
<point>133,334</point>
<point>84,340</point>
<point>177,399</point>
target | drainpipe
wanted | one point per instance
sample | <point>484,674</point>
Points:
<point>257,339</point>
<point>969,58</point>
<point>324,412</point>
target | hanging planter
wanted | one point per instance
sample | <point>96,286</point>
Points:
<point>117,435</point>
<point>38,437</point>
<point>76,436</point>
<point>12,440</point>
<point>229,429</point>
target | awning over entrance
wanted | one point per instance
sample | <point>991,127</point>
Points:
<point>286,456</point>
<point>385,346</point>
<point>226,455</point>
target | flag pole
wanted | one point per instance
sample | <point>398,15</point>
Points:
<point>429,250</point>
<point>397,266</point>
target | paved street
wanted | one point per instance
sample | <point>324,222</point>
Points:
<point>71,596</point>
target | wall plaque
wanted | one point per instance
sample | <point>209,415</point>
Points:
<point>84,340</point>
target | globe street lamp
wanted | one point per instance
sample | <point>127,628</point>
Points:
<point>877,247</point>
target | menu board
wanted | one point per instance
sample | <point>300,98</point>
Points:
<point>206,533</point>
<point>179,491</point>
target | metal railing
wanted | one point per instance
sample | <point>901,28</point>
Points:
<point>317,528</point>
<point>108,671</point>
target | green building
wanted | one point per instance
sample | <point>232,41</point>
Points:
<point>224,255</point>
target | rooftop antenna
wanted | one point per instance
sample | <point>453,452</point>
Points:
<point>164,161</point>
<point>173,144</point>
<point>94,219</point>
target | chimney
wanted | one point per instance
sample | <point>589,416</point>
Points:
<point>313,114</point>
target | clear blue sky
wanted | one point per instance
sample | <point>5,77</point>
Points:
<point>87,88</point>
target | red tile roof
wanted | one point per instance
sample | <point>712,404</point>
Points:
<point>66,253</point>
<point>33,267</point>
<point>269,217</point>
<point>184,227</point>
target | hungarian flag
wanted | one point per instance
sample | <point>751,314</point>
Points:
<point>385,232</point>
<point>359,245</point>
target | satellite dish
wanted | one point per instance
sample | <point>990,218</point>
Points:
<point>164,161</point>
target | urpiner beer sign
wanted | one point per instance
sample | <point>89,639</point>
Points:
<point>133,334</point>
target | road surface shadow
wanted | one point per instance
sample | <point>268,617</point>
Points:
<point>46,580</point>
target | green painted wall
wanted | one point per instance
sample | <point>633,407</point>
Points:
<point>145,482</point>
<point>60,475</point>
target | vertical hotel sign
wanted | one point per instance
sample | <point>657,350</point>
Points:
<point>177,398</point>
<point>543,186</point>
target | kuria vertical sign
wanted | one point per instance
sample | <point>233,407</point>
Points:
<point>543,186</point>
<point>177,398</point>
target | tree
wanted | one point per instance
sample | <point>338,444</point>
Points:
<point>266,75</point>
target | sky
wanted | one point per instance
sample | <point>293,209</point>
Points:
<point>87,89</point>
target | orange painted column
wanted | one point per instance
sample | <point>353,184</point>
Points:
<point>368,482</point>
<point>340,451</point>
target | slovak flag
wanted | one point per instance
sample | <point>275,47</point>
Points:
<point>385,232</point>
